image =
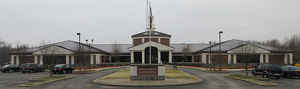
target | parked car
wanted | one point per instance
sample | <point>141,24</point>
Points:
<point>268,70</point>
<point>290,71</point>
<point>30,67</point>
<point>62,69</point>
<point>10,68</point>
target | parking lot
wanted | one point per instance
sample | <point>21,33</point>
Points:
<point>83,81</point>
<point>8,80</point>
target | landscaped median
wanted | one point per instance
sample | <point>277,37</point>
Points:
<point>173,77</point>
<point>252,79</point>
<point>44,80</point>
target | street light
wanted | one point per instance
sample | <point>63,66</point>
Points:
<point>220,50</point>
<point>79,40</point>
<point>220,32</point>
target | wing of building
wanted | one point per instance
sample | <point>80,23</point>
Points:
<point>153,47</point>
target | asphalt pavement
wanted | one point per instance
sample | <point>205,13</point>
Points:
<point>84,81</point>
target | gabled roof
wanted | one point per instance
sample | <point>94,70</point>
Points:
<point>69,45</point>
<point>153,33</point>
<point>123,48</point>
<point>234,43</point>
<point>178,47</point>
<point>154,44</point>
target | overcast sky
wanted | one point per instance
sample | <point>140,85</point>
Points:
<point>108,21</point>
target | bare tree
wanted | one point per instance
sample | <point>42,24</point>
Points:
<point>5,49</point>
<point>186,52</point>
<point>116,52</point>
<point>247,54</point>
<point>50,52</point>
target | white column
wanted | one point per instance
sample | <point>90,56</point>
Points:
<point>35,59</point>
<point>109,59</point>
<point>12,60</point>
<point>234,58</point>
<point>143,40</point>
<point>170,57</point>
<point>100,59</point>
<point>159,40</point>
<point>18,60</point>
<point>286,58</point>
<point>41,60</point>
<point>204,58</point>
<point>92,59</point>
<point>159,58</point>
<point>193,60</point>
<point>67,59</point>
<point>229,58</point>
<point>267,58</point>
<point>261,59</point>
<point>131,57</point>
<point>291,58</point>
<point>143,57</point>
<point>72,60</point>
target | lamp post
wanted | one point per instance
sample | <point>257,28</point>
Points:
<point>220,49</point>
<point>79,47</point>
<point>220,32</point>
<point>79,41</point>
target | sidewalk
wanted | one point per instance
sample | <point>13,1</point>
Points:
<point>205,69</point>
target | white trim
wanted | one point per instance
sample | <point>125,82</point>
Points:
<point>12,60</point>
<point>234,59</point>
<point>148,44</point>
<point>170,57</point>
<point>18,60</point>
<point>267,58</point>
<point>35,59</point>
<point>41,60</point>
<point>143,57</point>
<point>204,58</point>
<point>159,57</point>
<point>261,59</point>
<point>229,58</point>
<point>92,59</point>
<point>67,59</point>
<point>286,58</point>
<point>151,37</point>
<point>131,57</point>
<point>72,60</point>
<point>159,39</point>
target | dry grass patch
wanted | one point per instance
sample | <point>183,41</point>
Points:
<point>44,80</point>
<point>122,74</point>
<point>252,79</point>
<point>177,74</point>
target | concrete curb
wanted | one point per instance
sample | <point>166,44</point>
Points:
<point>164,85</point>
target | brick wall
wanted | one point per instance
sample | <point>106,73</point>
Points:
<point>276,59</point>
<point>137,41</point>
<point>165,41</point>
<point>219,59</point>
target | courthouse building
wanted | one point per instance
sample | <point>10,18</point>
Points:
<point>159,46</point>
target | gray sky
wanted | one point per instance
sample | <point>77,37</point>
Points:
<point>107,21</point>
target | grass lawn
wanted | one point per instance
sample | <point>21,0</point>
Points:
<point>170,74</point>
<point>252,79</point>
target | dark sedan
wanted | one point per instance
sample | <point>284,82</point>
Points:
<point>30,67</point>
<point>268,70</point>
<point>10,68</point>
<point>62,69</point>
<point>290,71</point>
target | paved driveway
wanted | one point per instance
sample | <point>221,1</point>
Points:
<point>8,80</point>
<point>84,81</point>
<point>211,81</point>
